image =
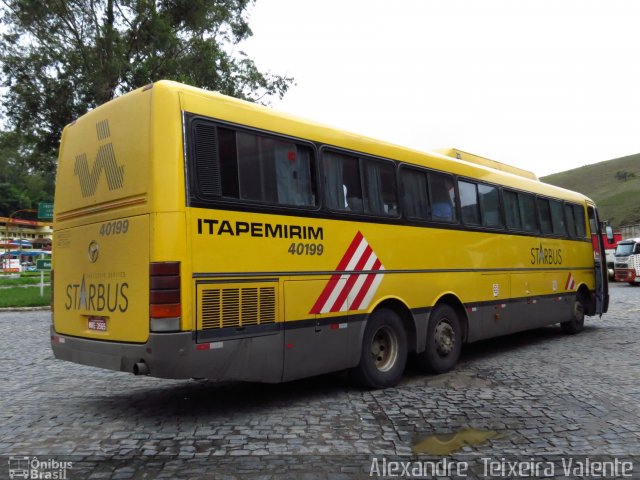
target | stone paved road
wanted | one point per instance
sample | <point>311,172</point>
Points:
<point>547,395</point>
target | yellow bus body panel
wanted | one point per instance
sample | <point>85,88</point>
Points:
<point>102,229</point>
<point>254,279</point>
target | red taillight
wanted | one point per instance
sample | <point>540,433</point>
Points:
<point>165,311</point>
<point>164,290</point>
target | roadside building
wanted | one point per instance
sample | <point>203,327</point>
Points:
<point>21,241</point>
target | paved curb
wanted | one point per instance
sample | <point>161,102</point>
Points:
<point>24,309</point>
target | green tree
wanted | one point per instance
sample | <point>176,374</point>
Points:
<point>20,187</point>
<point>61,58</point>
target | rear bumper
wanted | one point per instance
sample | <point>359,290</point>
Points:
<point>167,355</point>
<point>177,355</point>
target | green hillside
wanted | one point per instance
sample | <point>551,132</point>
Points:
<point>614,185</point>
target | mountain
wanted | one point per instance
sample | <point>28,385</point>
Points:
<point>614,185</point>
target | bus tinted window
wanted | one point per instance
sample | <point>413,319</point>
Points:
<point>443,197</point>
<point>571,223</point>
<point>545,215</point>
<point>469,202</point>
<point>528,212</point>
<point>265,169</point>
<point>578,215</point>
<point>228,163</point>
<point>489,206</point>
<point>557,218</point>
<point>343,189</point>
<point>414,193</point>
<point>512,210</point>
<point>380,187</point>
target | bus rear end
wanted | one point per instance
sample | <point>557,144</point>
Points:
<point>111,288</point>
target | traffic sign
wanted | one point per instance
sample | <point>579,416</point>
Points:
<point>45,211</point>
<point>43,264</point>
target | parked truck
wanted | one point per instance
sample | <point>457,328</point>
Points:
<point>627,262</point>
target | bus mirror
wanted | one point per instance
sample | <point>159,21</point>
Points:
<point>609,231</point>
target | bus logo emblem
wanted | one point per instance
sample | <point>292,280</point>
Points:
<point>94,250</point>
<point>352,291</point>
<point>105,161</point>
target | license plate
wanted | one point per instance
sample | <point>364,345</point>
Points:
<point>98,324</point>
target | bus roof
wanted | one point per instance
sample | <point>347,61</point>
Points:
<point>470,157</point>
<point>218,106</point>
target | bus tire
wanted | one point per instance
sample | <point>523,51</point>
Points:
<point>576,324</point>
<point>384,351</point>
<point>444,341</point>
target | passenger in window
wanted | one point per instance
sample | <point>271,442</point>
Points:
<point>442,211</point>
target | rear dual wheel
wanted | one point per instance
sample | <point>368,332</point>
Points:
<point>444,341</point>
<point>384,351</point>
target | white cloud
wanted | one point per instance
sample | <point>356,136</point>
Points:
<point>543,85</point>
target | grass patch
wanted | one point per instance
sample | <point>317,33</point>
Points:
<point>24,297</point>
<point>617,197</point>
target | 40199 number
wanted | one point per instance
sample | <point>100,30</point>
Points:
<point>306,249</point>
<point>118,227</point>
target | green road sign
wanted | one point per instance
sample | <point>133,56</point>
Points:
<point>45,211</point>
<point>43,264</point>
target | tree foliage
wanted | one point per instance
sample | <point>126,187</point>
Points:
<point>623,175</point>
<point>19,188</point>
<point>61,58</point>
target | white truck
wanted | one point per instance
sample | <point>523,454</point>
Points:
<point>627,261</point>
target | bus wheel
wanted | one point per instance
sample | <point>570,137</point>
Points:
<point>576,324</point>
<point>384,351</point>
<point>444,341</point>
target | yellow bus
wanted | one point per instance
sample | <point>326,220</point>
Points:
<point>199,236</point>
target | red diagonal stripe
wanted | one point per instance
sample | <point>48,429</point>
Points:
<point>365,286</point>
<point>566,287</point>
<point>333,281</point>
<point>350,251</point>
<point>352,279</point>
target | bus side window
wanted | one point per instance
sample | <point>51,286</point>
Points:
<point>469,202</point>
<point>490,206</point>
<point>415,200</point>
<point>380,187</point>
<point>264,169</point>
<point>545,215</point>
<point>512,210</point>
<point>571,223</point>
<point>578,215</point>
<point>527,204</point>
<point>343,190</point>
<point>557,218</point>
<point>443,197</point>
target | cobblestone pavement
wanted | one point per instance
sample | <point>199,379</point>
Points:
<point>547,395</point>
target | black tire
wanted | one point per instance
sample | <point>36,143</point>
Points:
<point>384,351</point>
<point>576,324</point>
<point>444,341</point>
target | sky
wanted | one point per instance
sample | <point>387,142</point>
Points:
<point>544,85</point>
